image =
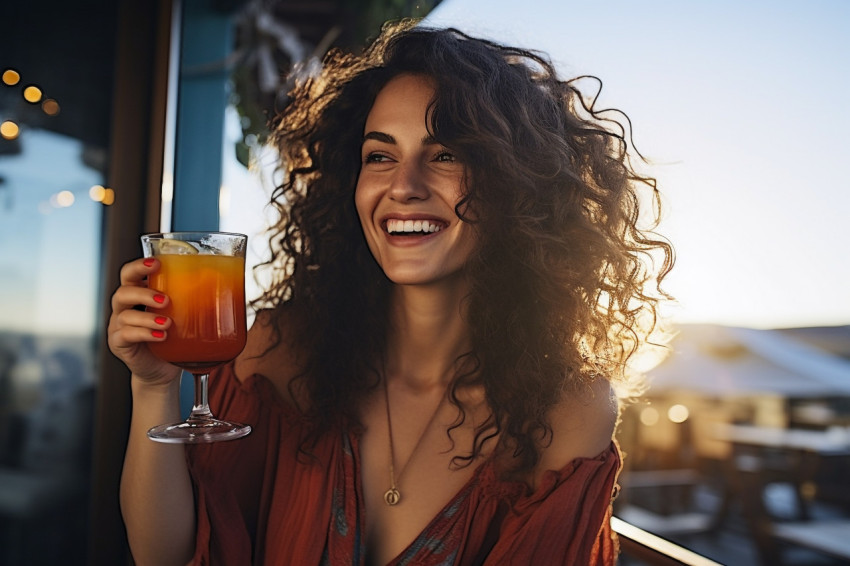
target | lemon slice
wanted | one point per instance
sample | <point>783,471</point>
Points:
<point>176,247</point>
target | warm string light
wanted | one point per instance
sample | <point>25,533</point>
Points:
<point>11,77</point>
<point>62,199</point>
<point>31,93</point>
<point>678,413</point>
<point>66,198</point>
<point>101,194</point>
<point>9,130</point>
<point>50,107</point>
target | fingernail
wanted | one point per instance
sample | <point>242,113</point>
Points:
<point>160,320</point>
<point>148,262</point>
<point>157,333</point>
<point>159,298</point>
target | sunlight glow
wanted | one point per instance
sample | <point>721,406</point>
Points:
<point>224,201</point>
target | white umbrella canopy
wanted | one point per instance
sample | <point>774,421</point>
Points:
<point>722,361</point>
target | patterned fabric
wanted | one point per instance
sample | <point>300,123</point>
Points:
<point>260,501</point>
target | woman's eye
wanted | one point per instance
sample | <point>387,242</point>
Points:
<point>445,157</point>
<point>375,158</point>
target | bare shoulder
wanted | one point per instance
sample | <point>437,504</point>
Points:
<point>270,349</point>
<point>583,425</point>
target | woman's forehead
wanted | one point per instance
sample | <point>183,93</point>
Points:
<point>402,96</point>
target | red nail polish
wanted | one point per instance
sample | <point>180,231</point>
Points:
<point>159,298</point>
<point>160,320</point>
<point>157,333</point>
<point>148,262</point>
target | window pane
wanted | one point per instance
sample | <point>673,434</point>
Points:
<point>54,116</point>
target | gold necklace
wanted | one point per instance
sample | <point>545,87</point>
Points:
<point>392,496</point>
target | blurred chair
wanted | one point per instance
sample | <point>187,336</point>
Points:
<point>775,534</point>
<point>660,501</point>
<point>663,471</point>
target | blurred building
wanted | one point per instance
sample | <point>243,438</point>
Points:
<point>740,428</point>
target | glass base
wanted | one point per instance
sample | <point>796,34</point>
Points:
<point>198,431</point>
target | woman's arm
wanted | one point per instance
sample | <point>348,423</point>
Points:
<point>157,500</point>
<point>582,427</point>
<point>156,497</point>
<point>565,518</point>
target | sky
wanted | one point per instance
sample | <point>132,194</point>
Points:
<point>49,255</point>
<point>741,111</point>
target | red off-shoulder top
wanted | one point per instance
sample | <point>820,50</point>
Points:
<point>260,503</point>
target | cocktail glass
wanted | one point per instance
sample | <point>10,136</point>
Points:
<point>203,274</point>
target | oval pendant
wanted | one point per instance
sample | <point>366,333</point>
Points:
<point>392,496</point>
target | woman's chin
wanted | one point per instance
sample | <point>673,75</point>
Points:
<point>424,278</point>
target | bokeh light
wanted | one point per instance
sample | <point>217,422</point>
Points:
<point>101,194</point>
<point>50,107</point>
<point>678,413</point>
<point>9,130</point>
<point>649,416</point>
<point>11,77</point>
<point>96,193</point>
<point>62,199</point>
<point>32,94</point>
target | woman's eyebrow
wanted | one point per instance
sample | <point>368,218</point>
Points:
<point>387,138</point>
<point>379,136</point>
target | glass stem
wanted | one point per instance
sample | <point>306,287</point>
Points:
<point>201,408</point>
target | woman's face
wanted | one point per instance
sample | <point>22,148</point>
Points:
<point>408,188</point>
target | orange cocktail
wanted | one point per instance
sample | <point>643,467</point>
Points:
<point>207,308</point>
<point>203,275</point>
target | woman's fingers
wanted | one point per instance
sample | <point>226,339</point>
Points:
<point>134,289</point>
<point>125,337</point>
<point>130,331</point>
<point>137,326</point>
<point>129,297</point>
<point>135,272</point>
<point>136,322</point>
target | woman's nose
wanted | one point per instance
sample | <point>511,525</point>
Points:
<point>409,183</point>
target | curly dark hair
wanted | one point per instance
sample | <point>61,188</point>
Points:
<point>564,283</point>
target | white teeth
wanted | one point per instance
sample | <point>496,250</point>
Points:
<point>412,227</point>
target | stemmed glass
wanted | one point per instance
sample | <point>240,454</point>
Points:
<point>203,274</point>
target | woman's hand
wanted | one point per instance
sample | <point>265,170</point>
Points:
<point>130,330</point>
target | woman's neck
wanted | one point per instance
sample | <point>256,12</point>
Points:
<point>427,334</point>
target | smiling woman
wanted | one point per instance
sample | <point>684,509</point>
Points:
<point>456,280</point>
<point>408,188</point>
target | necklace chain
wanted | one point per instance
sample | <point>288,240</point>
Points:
<point>392,496</point>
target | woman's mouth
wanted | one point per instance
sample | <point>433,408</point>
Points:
<point>398,227</point>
